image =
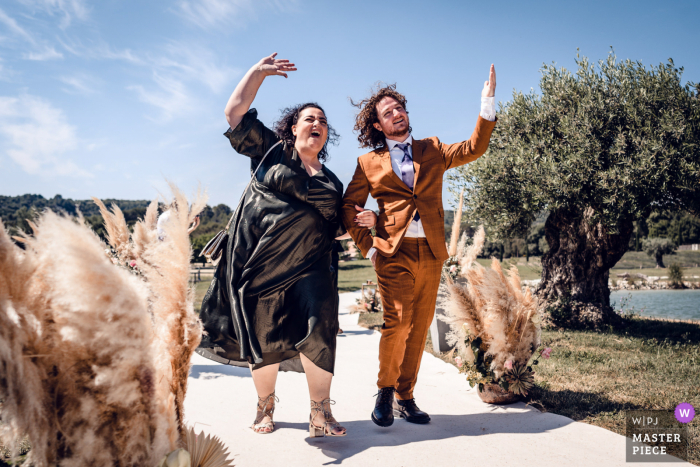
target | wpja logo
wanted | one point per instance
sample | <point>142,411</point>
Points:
<point>658,435</point>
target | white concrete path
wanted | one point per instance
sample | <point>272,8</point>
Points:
<point>463,432</point>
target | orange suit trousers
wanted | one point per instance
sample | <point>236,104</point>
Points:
<point>408,284</point>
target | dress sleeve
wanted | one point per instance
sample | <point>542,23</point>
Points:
<point>250,137</point>
<point>337,226</point>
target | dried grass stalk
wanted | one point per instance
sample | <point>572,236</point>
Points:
<point>165,265</point>
<point>493,307</point>
<point>206,451</point>
<point>97,358</point>
<point>23,323</point>
<point>454,239</point>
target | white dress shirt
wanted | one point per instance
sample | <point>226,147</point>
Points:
<point>415,229</point>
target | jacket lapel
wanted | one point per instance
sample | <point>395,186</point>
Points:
<point>417,158</point>
<point>388,170</point>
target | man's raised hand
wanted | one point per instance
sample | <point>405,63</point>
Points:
<point>490,85</point>
<point>274,66</point>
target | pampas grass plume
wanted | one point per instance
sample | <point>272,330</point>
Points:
<point>95,359</point>
<point>454,238</point>
<point>492,306</point>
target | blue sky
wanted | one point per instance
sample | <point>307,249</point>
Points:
<point>109,98</point>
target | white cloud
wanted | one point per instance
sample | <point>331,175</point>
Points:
<point>79,84</point>
<point>196,64</point>
<point>15,28</point>
<point>66,9</point>
<point>176,75</point>
<point>216,13</point>
<point>37,136</point>
<point>226,13</point>
<point>171,98</point>
<point>47,53</point>
<point>39,50</point>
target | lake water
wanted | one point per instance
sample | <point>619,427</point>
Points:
<point>674,304</point>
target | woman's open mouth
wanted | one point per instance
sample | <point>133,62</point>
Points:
<point>315,134</point>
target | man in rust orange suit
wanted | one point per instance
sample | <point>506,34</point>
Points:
<point>404,175</point>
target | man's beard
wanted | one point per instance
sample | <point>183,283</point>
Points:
<point>395,133</point>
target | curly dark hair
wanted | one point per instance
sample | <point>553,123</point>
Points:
<point>367,135</point>
<point>289,118</point>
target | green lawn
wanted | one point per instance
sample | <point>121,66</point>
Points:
<point>638,259</point>
<point>200,289</point>
<point>645,365</point>
<point>352,274</point>
<point>638,262</point>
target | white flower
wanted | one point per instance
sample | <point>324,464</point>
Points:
<point>177,458</point>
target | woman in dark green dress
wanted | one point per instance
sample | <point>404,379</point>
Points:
<point>276,299</point>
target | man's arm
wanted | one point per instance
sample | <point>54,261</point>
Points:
<point>470,150</point>
<point>356,194</point>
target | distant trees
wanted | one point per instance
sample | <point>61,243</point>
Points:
<point>657,248</point>
<point>16,211</point>
<point>597,149</point>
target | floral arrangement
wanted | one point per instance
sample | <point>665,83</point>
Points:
<point>517,378</point>
<point>494,323</point>
<point>370,302</point>
<point>128,264</point>
<point>451,268</point>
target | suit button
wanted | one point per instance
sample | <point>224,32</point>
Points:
<point>415,196</point>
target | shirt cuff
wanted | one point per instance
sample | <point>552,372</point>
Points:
<point>488,108</point>
<point>370,254</point>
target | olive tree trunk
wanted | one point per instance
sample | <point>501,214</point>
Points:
<point>574,288</point>
<point>659,257</point>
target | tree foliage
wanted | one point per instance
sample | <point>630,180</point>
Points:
<point>597,149</point>
<point>619,138</point>
<point>657,248</point>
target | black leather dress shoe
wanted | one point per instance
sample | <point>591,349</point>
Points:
<point>409,410</point>
<point>383,413</point>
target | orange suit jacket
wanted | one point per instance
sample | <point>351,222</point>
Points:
<point>397,202</point>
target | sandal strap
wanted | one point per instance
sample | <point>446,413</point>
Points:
<point>263,409</point>
<point>329,420</point>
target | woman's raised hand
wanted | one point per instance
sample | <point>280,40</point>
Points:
<point>365,217</point>
<point>242,97</point>
<point>275,66</point>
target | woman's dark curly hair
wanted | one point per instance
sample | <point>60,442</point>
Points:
<point>367,135</point>
<point>289,118</point>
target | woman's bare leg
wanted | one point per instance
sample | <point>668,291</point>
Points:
<point>265,379</point>
<point>319,382</point>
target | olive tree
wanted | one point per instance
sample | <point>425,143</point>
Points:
<point>597,149</point>
<point>657,248</point>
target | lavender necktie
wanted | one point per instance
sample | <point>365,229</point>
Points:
<point>407,171</point>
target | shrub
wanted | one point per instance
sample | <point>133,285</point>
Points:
<point>675,275</point>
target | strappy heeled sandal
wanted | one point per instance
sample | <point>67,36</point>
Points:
<point>266,407</point>
<point>329,424</point>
